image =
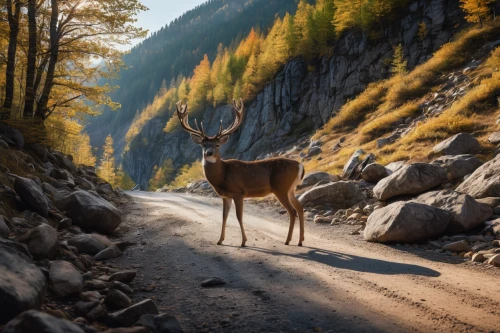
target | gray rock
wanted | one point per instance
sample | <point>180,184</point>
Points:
<point>64,279</point>
<point>315,177</point>
<point>374,172</point>
<point>34,219</point>
<point>95,285</point>
<point>99,312</point>
<point>84,184</point>
<point>484,182</point>
<point>494,138</point>
<point>65,223</point>
<point>83,308</point>
<point>38,322</point>
<point>42,241</point>
<point>122,287</point>
<point>31,194</point>
<point>12,134</point>
<point>163,323</point>
<point>123,276</point>
<point>90,212</point>
<point>405,222</point>
<point>90,296</point>
<point>395,166</point>
<point>352,162</point>
<point>4,229</point>
<point>490,201</point>
<point>65,161</point>
<point>22,284</point>
<point>466,213</point>
<point>458,166</point>
<point>462,143</point>
<point>412,179</point>
<point>87,243</point>
<point>4,145</point>
<point>116,299</point>
<point>108,253</point>
<point>39,150</point>
<point>460,246</point>
<point>343,194</point>
<point>106,189</point>
<point>129,316</point>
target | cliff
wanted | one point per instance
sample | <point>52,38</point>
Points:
<point>298,101</point>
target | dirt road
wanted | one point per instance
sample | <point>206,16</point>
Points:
<point>336,282</point>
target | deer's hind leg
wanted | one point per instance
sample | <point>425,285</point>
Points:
<point>285,202</point>
<point>300,211</point>
<point>238,203</point>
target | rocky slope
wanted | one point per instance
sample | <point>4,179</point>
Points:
<point>298,101</point>
<point>58,225</point>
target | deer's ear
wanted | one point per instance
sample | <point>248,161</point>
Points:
<point>223,139</point>
<point>197,139</point>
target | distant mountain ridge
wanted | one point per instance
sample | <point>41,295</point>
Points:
<point>175,50</point>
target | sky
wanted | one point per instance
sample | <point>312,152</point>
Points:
<point>162,12</point>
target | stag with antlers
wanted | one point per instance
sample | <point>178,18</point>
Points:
<point>236,180</point>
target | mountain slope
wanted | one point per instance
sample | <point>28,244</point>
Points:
<point>175,50</point>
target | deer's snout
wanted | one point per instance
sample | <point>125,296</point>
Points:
<point>209,153</point>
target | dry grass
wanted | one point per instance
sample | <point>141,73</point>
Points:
<point>354,110</point>
<point>384,123</point>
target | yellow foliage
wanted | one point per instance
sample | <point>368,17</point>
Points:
<point>477,10</point>
<point>188,174</point>
<point>107,167</point>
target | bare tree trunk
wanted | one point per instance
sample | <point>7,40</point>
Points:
<point>31,68</point>
<point>42,110</point>
<point>13,18</point>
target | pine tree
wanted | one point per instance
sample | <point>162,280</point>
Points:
<point>107,168</point>
<point>200,84</point>
<point>399,63</point>
<point>476,10</point>
<point>83,152</point>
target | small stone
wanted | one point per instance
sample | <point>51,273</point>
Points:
<point>212,282</point>
<point>110,252</point>
<point>478,257</point>
<point>65,223</point>
<point>89,296</point>
<point>460,246</point>
<point>95,285</point>
<point>64,279</point>
<point>100,311</point>
<point>495,260</point>
<point>123,276</point>
<point>319,219</point>
<point>117,299</point>
<point>129,316</point>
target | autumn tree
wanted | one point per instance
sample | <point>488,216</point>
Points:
<point>200,84</point>
<point>107,167</point>
<point>162,175</point>
<point>399,62</point>
<point>477,11</point>
<point>82,153</point>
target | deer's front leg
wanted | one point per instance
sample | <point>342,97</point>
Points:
<point>226,203</point>
<point>238,203</point>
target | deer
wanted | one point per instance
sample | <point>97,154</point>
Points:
<point>234,180</point>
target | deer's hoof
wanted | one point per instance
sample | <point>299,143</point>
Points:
<point>287,242</point>
<point>219,243</point>
<point>242,245</point>
<point>300,244</point>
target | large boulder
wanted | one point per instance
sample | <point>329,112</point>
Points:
<point>22,285</point>
<point>87,243</point>
<point>462,143</point>
<point>466,213</point>
<point>458,166</point>
<point>315,177</point>
<point>64,279</point>
<point>411,179</point>
<point>484,182</point>
<point>374,172</point>
<point>129,316</point>
<point>42,241</point>
<point>39,322</point>
<point>31,194</point>
<point>65,161</point>
<point>405,222</point>
<point>90,212</point>
<point>340,195</point>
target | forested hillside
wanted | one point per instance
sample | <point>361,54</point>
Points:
<point>174,51</point>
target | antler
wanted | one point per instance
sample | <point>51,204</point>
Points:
<point>238,119</point>
<point>183,118</point>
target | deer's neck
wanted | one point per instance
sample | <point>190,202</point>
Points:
<point>214,171</point>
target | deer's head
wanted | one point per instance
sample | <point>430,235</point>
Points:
<point>210,144</point>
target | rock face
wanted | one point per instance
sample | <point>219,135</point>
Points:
<point>412,179</point>
<point>462,143</point>
<point>340,194</point>
<point>90,212</point>
<point>458,166</point>
<point>64,279</point>
<point>466,213</point>
<point>405,222</point>
<point>297,101</point>
<point>32,195</point>
<point>484,182</point>
<point>374,172</point>
<point>38,322</point>
<point>22,285</point>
